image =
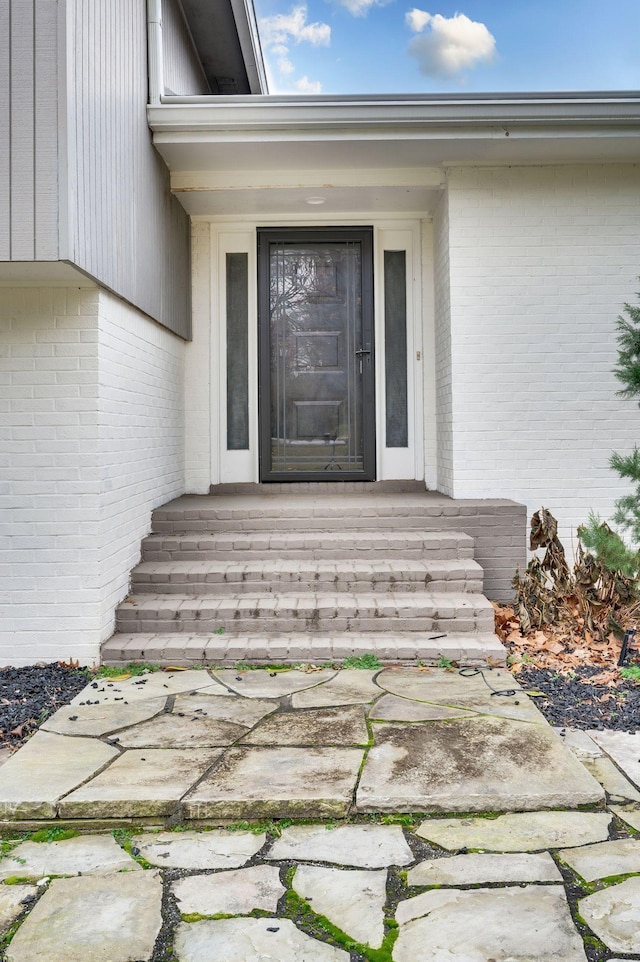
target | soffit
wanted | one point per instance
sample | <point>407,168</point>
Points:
<point>260,135</point>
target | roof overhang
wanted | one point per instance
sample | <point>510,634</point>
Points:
<point>228,153</point>
<point>225,35</point>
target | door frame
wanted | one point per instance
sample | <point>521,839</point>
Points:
<point>265,237</point>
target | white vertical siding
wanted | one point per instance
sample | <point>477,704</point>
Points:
<point>5,124</point>
<point>128,232</point>
<point>183,73</point>
<point>29,124</point>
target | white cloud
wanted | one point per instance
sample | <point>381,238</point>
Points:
<point>451,45</point>
<point>278,33</point>
<point>360,8</point>
<point>284,27</point>
<point>306,86</point>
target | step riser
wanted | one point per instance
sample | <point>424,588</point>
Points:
<point>259,625</point>
<point>271,586</point>
<point>336,522</point>
<point>313,550</point>
<point>257,616</point>
<point>179,649</point>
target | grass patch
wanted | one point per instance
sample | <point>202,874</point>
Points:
<point>54,834</point>
<point>368,661</point>
<point>133,668</point>
<point>266,827</point>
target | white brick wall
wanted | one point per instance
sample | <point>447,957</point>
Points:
<point>199,361</point>
<point>49,475</point>
<point>141,434</point>
<point>81,375</point>
<point>542,260</point>
<point>442,299</point>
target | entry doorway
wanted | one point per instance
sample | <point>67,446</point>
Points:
<point>317,417</point>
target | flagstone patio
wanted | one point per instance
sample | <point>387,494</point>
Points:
<point>524,886</point>
<point>195,745</point>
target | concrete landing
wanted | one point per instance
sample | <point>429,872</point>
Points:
<point>196,745</point>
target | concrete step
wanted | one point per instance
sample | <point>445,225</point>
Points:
<point>327,512</point>
<point>307,611</point>
<point>180,649</point>
<point>319,545</point>
<point>241,577</point>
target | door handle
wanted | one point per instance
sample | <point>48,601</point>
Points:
<point>361,351</point>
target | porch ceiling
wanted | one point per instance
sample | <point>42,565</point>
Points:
<point>234,155</point>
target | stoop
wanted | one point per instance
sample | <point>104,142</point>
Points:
<point>312,573</point>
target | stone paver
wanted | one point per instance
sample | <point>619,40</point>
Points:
<point>624,749</point>
<point>235,710</point>
<point>463,691</point>
<point>157,684</point>
<point>579,742</point>
<point>618,788</point>
<point>518,832</point>
<point>364,846</point>
<point>479,869</point>
<point>230,893</point>
<point>265,684</point>
<point>614,915</point>
<point>92,855</point>
<point>619,857</point>
<point>393,708</point>
<point>351,686</point>
<point>199,850</point>
<point>5,755</point>
<point>112,918</point>
<point>277,782</point>
<point>147,781</point>
<point>190,731</point>
<point>242,940</point>
<point>46,768</point>
<point>344,725</point>
<point>352,900</point>
<point>476,764</point>
<point>13,901</point>
<point>629,814</point>
<point>101,719</point>
<point>530,924</point>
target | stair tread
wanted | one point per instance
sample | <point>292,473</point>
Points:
<point>410,599</point>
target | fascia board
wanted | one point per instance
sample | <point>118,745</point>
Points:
<point>246,115</point>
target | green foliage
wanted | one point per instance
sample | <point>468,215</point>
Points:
<point>268,827</point>
<point>368,660</point>
<point>54,834</point>
<point>632,672</point>
<point>443,662</point>
<point>627,370</point>
<point>133,668</point>
<point>608,548</point>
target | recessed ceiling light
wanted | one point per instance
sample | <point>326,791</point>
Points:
<point>315,201</point>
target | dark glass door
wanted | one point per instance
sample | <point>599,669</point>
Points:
<point>317,418</point>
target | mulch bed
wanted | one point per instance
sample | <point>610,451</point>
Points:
<point>29,695</point>
<point>572,701</point>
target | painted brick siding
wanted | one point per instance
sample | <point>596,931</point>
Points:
<point>442,299</point>
<point>200,360</point>
<point>91,435</point>
<point>49,475</point>
<point>141,434</point>
<point>541,261</point>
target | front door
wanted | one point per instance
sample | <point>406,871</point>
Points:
<point>317,417</point>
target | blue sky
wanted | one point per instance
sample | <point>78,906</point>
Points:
<point>394,46</point>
